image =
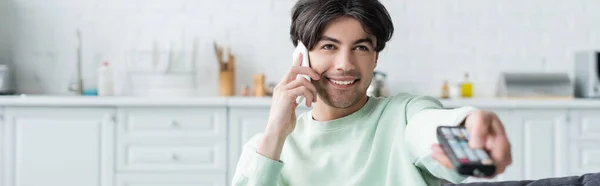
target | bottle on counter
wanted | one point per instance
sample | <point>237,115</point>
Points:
<point>466,87</point>
<point>245,90</point>
<point>105,80</point>
<point>259,85</point>
<point>445,90</point>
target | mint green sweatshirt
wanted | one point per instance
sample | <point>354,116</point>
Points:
<point>387,142</point>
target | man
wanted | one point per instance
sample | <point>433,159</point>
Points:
<point>349,138</point>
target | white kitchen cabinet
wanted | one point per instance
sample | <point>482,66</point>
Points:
<point>171,146</point>
<point>583,153</point>
<point>538,139</point>
<point>172,139</point>
<point>58,146</point>
<point>198,142</point>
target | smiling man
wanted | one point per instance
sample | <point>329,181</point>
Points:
<point>349,138</point>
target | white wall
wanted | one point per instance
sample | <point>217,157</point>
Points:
<point>434,39</point>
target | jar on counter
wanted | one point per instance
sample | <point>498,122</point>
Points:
<point>454,90</point>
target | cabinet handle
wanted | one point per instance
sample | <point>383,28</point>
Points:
<point>110,118</point>
<point>174,157</point>
<point>174,124</point>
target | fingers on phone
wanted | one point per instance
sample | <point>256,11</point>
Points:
<point>293,73</point>
<point>302,91</point>
<point>298,60</point>
<point>302,87</point>
<point>305,71</point>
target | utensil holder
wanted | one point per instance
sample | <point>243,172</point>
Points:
<point>259,85</point>
<point>227,82</point>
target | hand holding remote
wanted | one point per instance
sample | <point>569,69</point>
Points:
<point>486,132</point>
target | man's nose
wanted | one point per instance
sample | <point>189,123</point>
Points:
<point>344,60</point>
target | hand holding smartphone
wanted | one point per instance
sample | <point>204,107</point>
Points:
<point>466,160</point>
<point>302,50</point>
<point>290,90</point>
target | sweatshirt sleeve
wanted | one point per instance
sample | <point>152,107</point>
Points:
<point>424,114</point>
<point>254,169</point>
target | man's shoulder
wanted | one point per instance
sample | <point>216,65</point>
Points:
<point>406,104</point>
<point>400,97</point>
<point>407,98</point>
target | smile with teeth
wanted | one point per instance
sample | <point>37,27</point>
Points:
<point>342,82</point>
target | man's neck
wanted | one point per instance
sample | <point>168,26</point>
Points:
<point>324,112</point>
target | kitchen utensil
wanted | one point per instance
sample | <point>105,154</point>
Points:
<point>76,83</point>
<point>226,71</point>
<point>378,85</point>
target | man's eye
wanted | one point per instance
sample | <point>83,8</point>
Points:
<point>328,47</point>
<point>362,48</point>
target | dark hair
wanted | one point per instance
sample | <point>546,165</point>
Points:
<point>309,17</point>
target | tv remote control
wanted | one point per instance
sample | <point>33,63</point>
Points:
<point>466,160</point>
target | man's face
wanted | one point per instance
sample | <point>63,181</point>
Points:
<point>345,57</point>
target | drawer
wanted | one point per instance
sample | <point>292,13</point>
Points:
<point>209,179</point>
<point>583,156</point>
<point>585,124</point>
<point>207,156</point>
<point>178,122</point>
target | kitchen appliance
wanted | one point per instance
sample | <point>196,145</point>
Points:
<point>535,85</point>
<point>7,84</point>
<point>587,74</point>
<point>378,87</point>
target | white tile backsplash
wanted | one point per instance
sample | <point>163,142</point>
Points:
<point>434,39</point>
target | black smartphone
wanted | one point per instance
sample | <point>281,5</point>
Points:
<point>466,160</point>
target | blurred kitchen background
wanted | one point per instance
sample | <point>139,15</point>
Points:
<point>170,112</point>
<point>434,41</point>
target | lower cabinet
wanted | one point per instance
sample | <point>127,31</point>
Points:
<point>185,146</point>
<point>538,139</point>
<point>549,143</point>
<point>583,146</point>
<point>171,146</point>
<point>58,146</point>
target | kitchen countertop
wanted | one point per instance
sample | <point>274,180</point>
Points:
<point>44,100</point>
